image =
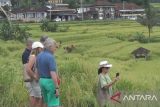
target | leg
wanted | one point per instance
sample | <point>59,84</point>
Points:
<point>53,101</point>
<point>30,92</point>
<point>32,101</point>
<point>38,102</point>
<point>42,83</point>
<point>44,105</point>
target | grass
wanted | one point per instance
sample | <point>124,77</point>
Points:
<point>156,5</point>
<point>94,41</point>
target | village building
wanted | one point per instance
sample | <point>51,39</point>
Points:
<point>128,11</point>
<point>104,9</point>
<point>29,14</point>
<point>5,2</point>
<point>58,11</point>
<point>54,10</point>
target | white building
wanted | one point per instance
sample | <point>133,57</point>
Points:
<point>5,2</point>
<point>30,14</point>
<point>128,11</point>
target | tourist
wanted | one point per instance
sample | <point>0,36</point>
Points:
<point>105,83</point>
<point>35,91</point>
<point>25,58</point>
<point>47,71</point>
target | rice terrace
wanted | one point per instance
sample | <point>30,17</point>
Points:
<point>93,41</point>
<point>81,46</point>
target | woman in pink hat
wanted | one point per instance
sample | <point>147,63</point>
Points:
<point>105,83</point>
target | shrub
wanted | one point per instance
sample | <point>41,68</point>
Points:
<point>53,27</point>
<point>44,26</point>
<point>9,31</point>
<point>140,37</point>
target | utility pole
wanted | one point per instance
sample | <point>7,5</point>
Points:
<point>5,13</point>
<point>82,9</point>
<point>123,8</point>
<point>50,12</point>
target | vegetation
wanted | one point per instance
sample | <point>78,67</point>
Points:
<point>9,31</point>
<point>150,19</point>
<point>78,69</point>
<point>156,5</point>
<point>27,3</point>
<point>53,27</point>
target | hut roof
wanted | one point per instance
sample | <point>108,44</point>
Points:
<point>128,6</point>
<point>22,10</point>
<point>141,50</point>
<point>103,3</point>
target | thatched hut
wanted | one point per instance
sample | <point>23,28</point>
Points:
<point>141,53</point>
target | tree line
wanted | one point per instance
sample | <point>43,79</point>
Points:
<point>27,3</point>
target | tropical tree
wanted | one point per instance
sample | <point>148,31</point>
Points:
<point>150,18</point>
<point>8,31</point>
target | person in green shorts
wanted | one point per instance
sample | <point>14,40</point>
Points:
<point>47,70</point>
<point>105,83</point>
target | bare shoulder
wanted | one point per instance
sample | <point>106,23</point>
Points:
<point>32,57</point>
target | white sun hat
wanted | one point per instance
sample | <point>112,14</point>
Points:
<point>37,45</point>
<point>104,64</point>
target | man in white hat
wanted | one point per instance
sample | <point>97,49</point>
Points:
<point>105,83</point>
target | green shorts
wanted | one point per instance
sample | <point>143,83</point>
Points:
<point>48,92</point>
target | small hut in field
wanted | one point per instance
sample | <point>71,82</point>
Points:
<point>141,53</point>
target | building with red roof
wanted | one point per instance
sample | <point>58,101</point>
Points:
<point>104,9</point>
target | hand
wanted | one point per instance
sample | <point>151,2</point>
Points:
<point>57,92</point>
<point>58,81</point>
<point>116,78</point>
<point>36,77</point>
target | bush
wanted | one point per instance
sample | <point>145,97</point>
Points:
<point>52,27</point>
<point>9,31</point>
<point>46,26</point>
<point>140,37</point>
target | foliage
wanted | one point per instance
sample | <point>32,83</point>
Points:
<point>78,70</point>
<point>52,27</point>
<point>140,37</point>
<point>46,26</point>
<point>28,3</point>
<point>149,20</point>
<point>13,32</point>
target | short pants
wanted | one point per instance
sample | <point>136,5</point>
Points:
<point>34,89</point>
<point>48,92</point>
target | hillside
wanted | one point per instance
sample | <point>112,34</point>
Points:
<point>94,41</point>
